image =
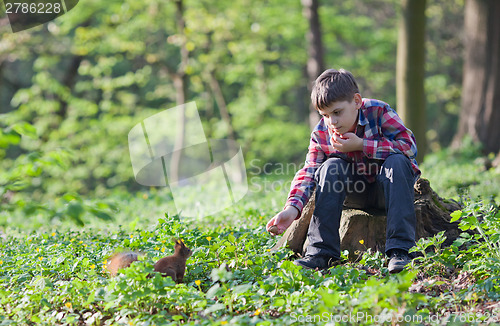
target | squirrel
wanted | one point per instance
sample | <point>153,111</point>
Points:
<point>173,266</point>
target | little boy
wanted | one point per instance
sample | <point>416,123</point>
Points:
<point>358,142</point>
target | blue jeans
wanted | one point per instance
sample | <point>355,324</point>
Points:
<point>336,178</point>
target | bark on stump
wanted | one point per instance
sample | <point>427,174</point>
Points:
<point>432,212</point>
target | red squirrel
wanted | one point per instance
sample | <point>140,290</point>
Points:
<point>173,266</point>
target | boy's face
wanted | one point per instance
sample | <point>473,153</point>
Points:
<point>342,116</point>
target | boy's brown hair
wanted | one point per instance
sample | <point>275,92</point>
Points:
<point>332,86</point>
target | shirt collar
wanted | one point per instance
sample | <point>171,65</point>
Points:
<point>362,120</point>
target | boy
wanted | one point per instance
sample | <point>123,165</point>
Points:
<point>357,141</point>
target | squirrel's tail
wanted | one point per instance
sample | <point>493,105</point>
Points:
<point>121,260</point>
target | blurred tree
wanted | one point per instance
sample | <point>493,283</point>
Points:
<point>411,70</point>
<point>444,64</point>
<point>180,80</point>
<point>315,65</point>
<point>480,115</point>
<point>85,79</point>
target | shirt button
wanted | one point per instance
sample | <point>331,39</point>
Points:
<point>369,155</point>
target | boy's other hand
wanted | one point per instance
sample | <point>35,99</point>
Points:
<point>282,220</point>
<point>347,142</point>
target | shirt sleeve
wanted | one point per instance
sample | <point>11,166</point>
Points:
<point>394,138</point>
<point>303,183</point>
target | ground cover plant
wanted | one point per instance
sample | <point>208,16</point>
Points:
<point>55,273</point>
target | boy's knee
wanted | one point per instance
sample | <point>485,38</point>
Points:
<point>333,167</point>
<point>397,161</point>
<point>396,166</point>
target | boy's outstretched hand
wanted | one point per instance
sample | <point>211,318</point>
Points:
<point>281,221</point>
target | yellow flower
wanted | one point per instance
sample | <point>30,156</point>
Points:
<point>1,262</point>
<point>162,249</point>
<point>209,238</point>
<point>37,249</point>
<point>163,241</point>
<point>40,258</point>
<point>362,241</point>
<point>145,196</point>
<point>261,217</point>
<point>80,242</point>
<point>72,239</point>
<point>53,234</point>
<point>197,282</point>
<point>257,312</point>
<point>223,322</point>
<point>157,248</point>
<point>68,305</point>
<point>92,266</point>
<point>131,236</point>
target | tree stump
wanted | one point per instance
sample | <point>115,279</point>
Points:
<point>369,225</point>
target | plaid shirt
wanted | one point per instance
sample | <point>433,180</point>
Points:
<point>383,133</point>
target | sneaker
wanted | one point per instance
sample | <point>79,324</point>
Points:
<point>316,262</point>
<point>399,258</point>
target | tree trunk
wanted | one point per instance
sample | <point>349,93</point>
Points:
<point>410,71</point>
<point>69,81</point>
<point>480,115</point>
<point>432,213</point>
<point>315,65</point>
<point>496,161</point>
<point>180,84</point>
<point>221,103</point>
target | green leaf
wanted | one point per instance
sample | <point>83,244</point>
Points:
<point>215,307</point>
<point>74,210</point>
<point>241,288</point>
<point>214,291</point>
<point>456,215</point>
<point>25,129</point>
<point>101,214</point>
<point>279,302</point>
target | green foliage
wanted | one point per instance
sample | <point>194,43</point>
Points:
<point>56,276</point>
<point>432,260</point>
<point>484,220</point>
<point>230,278</point>
<point>461,173</point>
<point>71,91</point>
<point>84,80</point>
<point>466,273</point>
<point>33,168</point>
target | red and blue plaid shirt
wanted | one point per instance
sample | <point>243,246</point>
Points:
<point>383,134</point>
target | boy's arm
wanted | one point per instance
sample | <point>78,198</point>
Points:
<point>396,138</point>
<point>302,186</point>
<point>303,183</point>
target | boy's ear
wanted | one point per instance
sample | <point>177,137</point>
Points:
<point>358,100</point>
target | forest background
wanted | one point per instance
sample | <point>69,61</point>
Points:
<point>72,89</point>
